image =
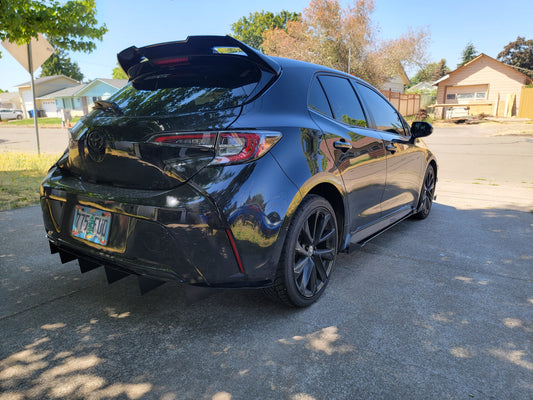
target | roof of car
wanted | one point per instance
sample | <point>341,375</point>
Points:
<point>291,63</point>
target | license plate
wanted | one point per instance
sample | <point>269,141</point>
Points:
<point>91,224</point>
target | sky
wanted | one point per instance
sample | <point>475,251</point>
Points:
<point>488,24</point>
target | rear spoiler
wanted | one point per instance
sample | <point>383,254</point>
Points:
<point>193,45</point>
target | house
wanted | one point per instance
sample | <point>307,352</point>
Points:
<point>65,98</point>
<point>483,85</point>
<point>10,100</point>
<point>80,99</point>
<point>396,83</point>
<point>43,86</point>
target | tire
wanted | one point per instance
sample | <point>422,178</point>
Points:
<point>426,194</point>
<point>19,116</point>
<point>308,255</point>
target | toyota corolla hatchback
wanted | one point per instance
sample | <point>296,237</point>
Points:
<point>219,166</point>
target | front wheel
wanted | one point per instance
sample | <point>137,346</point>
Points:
<point>309,253</point>
<point>19,117</point>
<point>427,193</point>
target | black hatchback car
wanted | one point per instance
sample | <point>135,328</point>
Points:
<point>233,169</point>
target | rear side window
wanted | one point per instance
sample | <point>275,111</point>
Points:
<point>317,99</point>
<point>344,102</point>
<point>385,116</point>
<point>197,85</point>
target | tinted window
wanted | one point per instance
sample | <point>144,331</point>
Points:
<point>385,116</point>
<point>199,85</point>
<point>344,103</point>
<point>317,99</point>
<point>180,100</point>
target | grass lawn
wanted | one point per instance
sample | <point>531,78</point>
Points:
<point>41,121</point>
<point>20,177</point>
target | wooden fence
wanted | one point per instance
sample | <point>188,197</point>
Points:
<point>406,104</point>
<point>525,109</point>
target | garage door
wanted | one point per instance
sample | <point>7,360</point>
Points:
<point>49,107</point>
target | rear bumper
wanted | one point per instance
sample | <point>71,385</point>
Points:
<point>176,234</point>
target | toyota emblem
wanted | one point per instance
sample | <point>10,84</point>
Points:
<point>96,145</point>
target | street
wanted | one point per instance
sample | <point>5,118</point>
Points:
<point>434,309</point>
<point>52,140</point>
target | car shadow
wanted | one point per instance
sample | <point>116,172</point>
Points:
<point>447,298</point>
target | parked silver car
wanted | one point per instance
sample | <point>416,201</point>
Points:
<point>10,114</point>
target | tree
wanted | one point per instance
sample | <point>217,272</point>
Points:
<point>118,73</point>
<point>72,24</point>
<point>250,29</point>
<point>468,54</point>
<point>60,64</point>
<point>431,72</point>
<point>346,39</point>
<point>519,54</point>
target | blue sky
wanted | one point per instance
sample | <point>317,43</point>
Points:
<point>488,24</point>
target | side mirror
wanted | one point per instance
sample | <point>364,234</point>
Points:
<point>421,129</point>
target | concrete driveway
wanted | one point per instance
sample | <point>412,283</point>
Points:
<point>433,309</point>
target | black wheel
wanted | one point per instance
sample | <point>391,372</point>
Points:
<point>427,193</point>
<point>308,255</point>
<point>19,116</point>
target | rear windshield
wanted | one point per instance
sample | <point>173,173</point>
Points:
<point>197,85</point>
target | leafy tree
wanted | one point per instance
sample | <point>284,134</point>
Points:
<point>72,24</point>
<point>346,39</point>
<point>60,64</point>
<point>118,73</point>
<point>250,29</point>
<point>431,72</point>
<point>519,54</point>
<point>468,54</point>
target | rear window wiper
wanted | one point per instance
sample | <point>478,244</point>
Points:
<point>108,106</point>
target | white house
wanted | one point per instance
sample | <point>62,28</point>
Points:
<point>58,92</point>
<point>10,100</point>
<point>80,99</point>
<point>43,86</point>
<point>397,83</point>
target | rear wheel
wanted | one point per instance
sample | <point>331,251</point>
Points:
<point>427,194</point>
<point>308,254</point>
<point>19,116</point>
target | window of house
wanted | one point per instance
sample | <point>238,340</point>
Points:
<point>450,96</point>
<point>481,95</point>
<point>465,96</point>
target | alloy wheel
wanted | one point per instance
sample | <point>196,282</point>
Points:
<point>314,252</point>
<point>427,194</point>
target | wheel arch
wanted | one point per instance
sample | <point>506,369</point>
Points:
<point>329,192</point>
<point>433,163</point>
<point>334,194</point>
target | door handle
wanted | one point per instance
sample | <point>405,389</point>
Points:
<point>342,145</point>
<point>392,148</point>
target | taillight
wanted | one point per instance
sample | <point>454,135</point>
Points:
<point>231,147</point>
<point>188,139</point>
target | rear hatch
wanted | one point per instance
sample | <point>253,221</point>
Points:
<point>165,125</point>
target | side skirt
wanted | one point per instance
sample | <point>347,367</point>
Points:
<point>363,236</point>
